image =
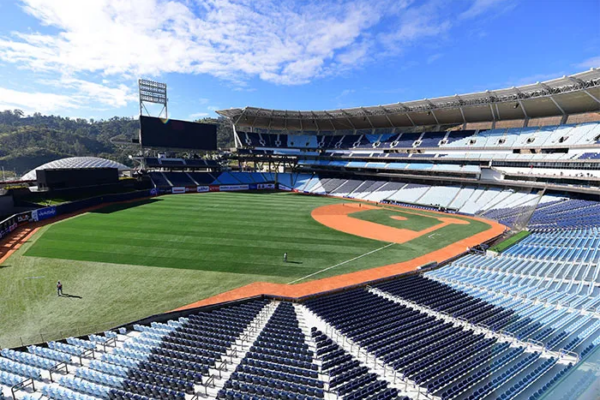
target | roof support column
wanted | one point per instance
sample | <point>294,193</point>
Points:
<point>348,119</point>
<point>580,82</point>
<point>331,120</point>
<point>315,122</point>
<point>432,112</point>
<point>462,113</point>
<point>270,120</point>
<point>564,115</point>
<point>386,113</point>
<point>493,117</point>
<point>406,110</point>
<point>368,120</point>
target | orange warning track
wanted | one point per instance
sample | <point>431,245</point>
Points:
<point>355,278</point>
<point>12,244</point>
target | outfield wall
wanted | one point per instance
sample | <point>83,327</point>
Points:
<point>219,188</point>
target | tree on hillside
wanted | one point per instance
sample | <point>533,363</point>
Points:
<point>26,141</point>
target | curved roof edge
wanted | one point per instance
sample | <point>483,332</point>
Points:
<point>573,94</point>
<point>76,162</point>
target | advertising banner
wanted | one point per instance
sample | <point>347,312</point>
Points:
<point>24,218</point>
<point>253,186</point>
<point>266,186</point>
<point>7,227</point>
<point>178,190</point>
<point>232,188</point>
<point>286,188</point>
<point>153,192</point>
<point>202,189</point>
<point>213,188</point>
<point>43,213</point>
<point>190,189</point>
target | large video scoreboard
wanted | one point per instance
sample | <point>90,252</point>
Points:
<point>174,134</point>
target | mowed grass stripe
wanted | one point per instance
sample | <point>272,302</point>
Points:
<point>204,245</point>
<point>221,226</point>
<point>211,237</point>
<point>231,267</point>
<point>314,234</point>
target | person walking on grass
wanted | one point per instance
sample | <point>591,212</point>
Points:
<point>285,257</point>
<point>59,288</point>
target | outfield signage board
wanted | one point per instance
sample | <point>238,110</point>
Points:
<point>286,188</point>
<point>24,217</point>
<point>7,227</point>
<point>232,188</point>
<point>178,190</point>
<point>265,186</point>
<point>154,192</point>
<point>213,188</point>
<point>43,213</point>
<point>190,189</point>
<point>202,189</point>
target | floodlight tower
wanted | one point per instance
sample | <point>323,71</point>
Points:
<point>153,92</point>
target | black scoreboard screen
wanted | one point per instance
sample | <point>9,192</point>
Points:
<point>171,133</point>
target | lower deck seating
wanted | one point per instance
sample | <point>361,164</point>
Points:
<point>279,364</point>
<point>179,179</point>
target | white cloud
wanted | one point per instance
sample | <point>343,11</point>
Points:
<point>479,7</point>
<point>434,57</point>
<point>593,62</point>
<point>95,49</point>
<point>74,94</point>
<point>279,41</point>
<point>345,93</point>
<point>212,108</point>
<point>526,80</point>
<point>427,20</point>
<point>35,101</point>
<point>198,115</point>
<point>117,96</point>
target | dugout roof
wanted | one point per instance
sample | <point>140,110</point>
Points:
<point>574,94</point>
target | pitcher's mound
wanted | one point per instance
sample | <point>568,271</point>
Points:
<point>398,217</point>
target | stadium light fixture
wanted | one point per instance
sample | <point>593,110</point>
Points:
<point>153,92</point>
<point>516,106</point>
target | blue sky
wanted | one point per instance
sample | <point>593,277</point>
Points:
<point>82,58</point>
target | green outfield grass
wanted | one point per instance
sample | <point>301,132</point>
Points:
<point>128,261</point>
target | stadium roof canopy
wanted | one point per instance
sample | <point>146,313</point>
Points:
<point>574,94</point>
<point>74,163</point>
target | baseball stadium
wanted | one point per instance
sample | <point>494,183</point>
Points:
<point>438,249</point>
